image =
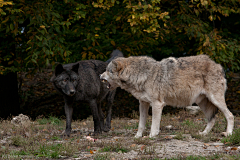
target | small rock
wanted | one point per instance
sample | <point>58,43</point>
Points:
<point>169,127</point>
<point>21,120</point>
<point>193,109</point>
<point>216,144</point>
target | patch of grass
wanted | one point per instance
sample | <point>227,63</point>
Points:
<point>106,156</point>
<point>49,151</point>
<point>114,148</point>
<point>131,126</point>
<point>144,141</point>
<point>50,120</point>
<point>56,138</point>
<point>17,140</point>
<point>234,139</point>
<point>188,123</point>
<point>179,136</point>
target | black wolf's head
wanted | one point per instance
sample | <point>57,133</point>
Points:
<point>66,79</point>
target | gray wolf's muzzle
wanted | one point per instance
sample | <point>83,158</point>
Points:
<point>103,79</point>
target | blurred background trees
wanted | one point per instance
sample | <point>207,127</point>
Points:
<point>35,34</point>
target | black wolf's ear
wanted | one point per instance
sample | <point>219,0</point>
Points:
<point>118,65</point>
<point>75,68</point>
<point>59,69</point>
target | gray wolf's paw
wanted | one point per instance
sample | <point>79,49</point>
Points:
<point>152,135</point>
<point>202,133</point>
<point>138,135</point>
<point>225,134</point>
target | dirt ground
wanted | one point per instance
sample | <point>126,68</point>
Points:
<point>43,139</point>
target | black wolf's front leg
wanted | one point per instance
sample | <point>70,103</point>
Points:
<point>68,111</point>
<point>96,118</point>
<point>110,98</point>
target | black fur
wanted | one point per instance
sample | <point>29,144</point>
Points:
<point>80,82</point>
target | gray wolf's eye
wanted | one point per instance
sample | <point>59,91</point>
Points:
<point>65,80</point>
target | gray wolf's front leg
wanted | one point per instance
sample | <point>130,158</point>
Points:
<point>68,111</point>
<point>143,109</point>
<point>157,108</point>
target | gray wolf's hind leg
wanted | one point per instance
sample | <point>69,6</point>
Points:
<point>110,98</point>
<point>219,101</point>
<point>209,110</point>
<point>143,109</point>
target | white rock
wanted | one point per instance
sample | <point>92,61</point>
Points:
<point>169,127</point>
<point>21,120</point>
<point>193,109</point>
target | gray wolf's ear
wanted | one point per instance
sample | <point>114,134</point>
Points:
<point>59,69</point>
<point>75,68</point>
<point>118,65</point>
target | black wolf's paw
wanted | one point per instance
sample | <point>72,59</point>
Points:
<point>66,133</point>
<point>106,128</point>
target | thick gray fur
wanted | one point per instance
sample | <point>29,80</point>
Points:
<point>172,81</point>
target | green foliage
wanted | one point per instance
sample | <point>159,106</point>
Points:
<point>43,32</point>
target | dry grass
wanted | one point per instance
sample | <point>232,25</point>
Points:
<point>43,138</point>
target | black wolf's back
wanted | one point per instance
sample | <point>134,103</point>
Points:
<point>115,54</point>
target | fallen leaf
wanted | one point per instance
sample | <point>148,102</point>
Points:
<point>143,147</point>
<point>77,141</point>
<point>168,137</point>
<point>217,146</point>
<point>234,148</point>
<point>45,130</point>
<point>91,151</point>
<point>116,139</point>
<point>206,144</point>
<point>133,145</point>
<point>84,123</point>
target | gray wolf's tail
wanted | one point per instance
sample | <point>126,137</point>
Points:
<point>115,54</point>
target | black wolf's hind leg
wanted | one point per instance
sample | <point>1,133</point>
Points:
<point>210,110</point>
<point>68,111</point>
<point>96,118</point>
<point>110,98</point>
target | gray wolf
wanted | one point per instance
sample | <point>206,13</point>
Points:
<point>80,82</point>
<point>171,81</point>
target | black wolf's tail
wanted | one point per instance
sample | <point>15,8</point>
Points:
<point>115,54</point>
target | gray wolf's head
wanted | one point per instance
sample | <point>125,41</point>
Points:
<point>66,80</point>
<point>114,75</point>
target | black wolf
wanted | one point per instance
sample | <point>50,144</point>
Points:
<point>80,82</point>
